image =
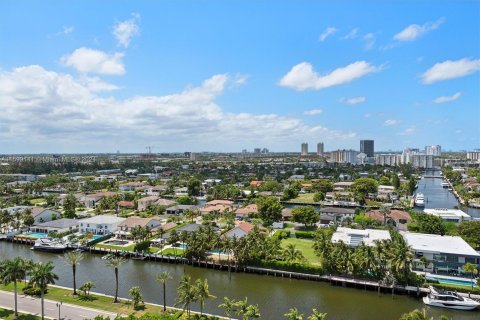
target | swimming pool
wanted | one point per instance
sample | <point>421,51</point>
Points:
<point>36,235</point>
<point>458,282</point>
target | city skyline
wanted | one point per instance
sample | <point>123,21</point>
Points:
<point>226,78</point>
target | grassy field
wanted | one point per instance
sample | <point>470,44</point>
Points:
<point>304,198</point>
<point>36,201</point>
<point>171,252</point>
<point>8,315</point>
<point>305,246</point>
<point>127,248</point>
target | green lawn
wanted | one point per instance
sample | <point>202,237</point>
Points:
<point>372,203</point>
<point>171,252</point>
<point>36,201</point>
<point>108,246</point>
<point>305,198</point>
<point>304,245</point>
<point>8,315</point>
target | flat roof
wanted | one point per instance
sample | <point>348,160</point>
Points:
<point>436,243</point>
<point>103,219</point>
<point>442,212</point>
<point>353,237</point>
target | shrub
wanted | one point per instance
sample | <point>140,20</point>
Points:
<point>305,234</point>
<point>281,234</point>
<point>31,291</point>
<point>141,246</point>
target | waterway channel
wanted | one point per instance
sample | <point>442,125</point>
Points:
<point>274,295</point>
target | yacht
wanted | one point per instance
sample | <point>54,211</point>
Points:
<point>419,200</point>
<point>445,184</point>
<point>449,299</point>
<point>50,245</point>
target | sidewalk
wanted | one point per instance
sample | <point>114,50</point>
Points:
<point>31,305</point>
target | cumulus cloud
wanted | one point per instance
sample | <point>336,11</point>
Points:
<point>48,108</point>
<point>415,31</point>
<point>302,76</point>
<point>444,99</point>
<point>312,112</point>
<point>356,100</point>
<point>449,69</point>
<point>328,32</point>
<point>124,31</point>
<point>86,60</point>
<point>391,122</point>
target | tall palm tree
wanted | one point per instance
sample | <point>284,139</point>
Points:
<point>162,278</point>
<point>293,314</point>
<point>229,306</point>
<point>186,294</point>
<point>42,276</point>
<point>13,271</point>
<point>202,293</point>
<point>73,258</point>
<point>317,315</point>
<point>115,263</point>
<point>470,268</point>
<point>402,258</point>
<point>291,254</point>
<point>253,312</point>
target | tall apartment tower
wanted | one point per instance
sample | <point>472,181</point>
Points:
<point>367,147</point>
<point>434,150</point>
<point>320,149</point>
<point>304,149</point>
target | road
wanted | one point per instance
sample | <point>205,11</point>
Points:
<point>28,304</point>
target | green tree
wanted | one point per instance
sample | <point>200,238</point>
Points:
<point>202,293</point>
<point>364,186</point>
<point>317,315</point>
<point>322,185</point>
<point>289,193</point>
<point>69,206</point>
<point>73,258</point>
<point>293,314</point>
<point>115,263</point>
<point>162,278</point>
<point>42,276</point>
<point>186,294</point>
<point>470,232</point>
<point>416,315</point>
<point>13,271</point>
<point>470,268</point>
<point>269,210</point>
<point>411,185</point>
<point>305,215</point>
<point>137,297</point>
<point>318,196</point>
<point>291,254</point>
<point>229,306</point>
<point>194,186</point>
<point>87,287</point>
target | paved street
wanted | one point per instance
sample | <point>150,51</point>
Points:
<point>31,305</point>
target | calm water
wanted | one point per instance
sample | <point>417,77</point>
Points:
<point>274,295</point>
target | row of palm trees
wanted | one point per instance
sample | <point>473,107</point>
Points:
<point>40,276</point>
<point>386,257</point>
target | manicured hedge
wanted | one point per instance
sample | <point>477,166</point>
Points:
<point>305,234</point>
<point>281,234</point>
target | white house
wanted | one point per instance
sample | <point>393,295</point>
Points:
<point>449,215</point>
<point>101,225</point>
<point>58,226</point>
<point>43,215</point>
<point>353,237</point>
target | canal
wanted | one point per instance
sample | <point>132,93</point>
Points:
<point>274,295</point>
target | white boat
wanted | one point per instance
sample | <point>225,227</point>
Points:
<point>449,299</point>
<point>445,184</point>
<point>419,200</point>
<point>50,245</point>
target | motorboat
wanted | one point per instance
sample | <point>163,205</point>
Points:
<point>445,184</point>
<point>50,245</point>
<point>419,200</point>
<point>449,299</point>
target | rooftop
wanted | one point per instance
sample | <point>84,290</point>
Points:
<point>443,213</point>
<point>353,237</point>
<point>59,224</point>
<point>437,243</point>
<point>103,219</point>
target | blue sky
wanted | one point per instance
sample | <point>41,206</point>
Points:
<point>101,76</point>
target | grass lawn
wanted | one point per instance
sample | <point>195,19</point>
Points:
<point>108,246</point>
<point>8,315</point>
<point>372,203</point>
<point>305,246</point>
<point>171,252</point>
<point>305,198</point>
<point>36,201</point>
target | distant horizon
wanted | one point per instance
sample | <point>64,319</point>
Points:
<point>89,76</point>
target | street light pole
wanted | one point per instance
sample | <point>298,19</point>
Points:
<point>59,305</point>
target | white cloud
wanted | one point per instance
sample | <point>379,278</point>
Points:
<point>46,108</point>
<point>369,39</point>
<point>312,112</point>
<point>351,35</point>
<point>328,32</point>
<point>240,79</point>
<point>391,122</point>
<point>444,99</point>
<point>356,100</point>
<point>86,60</point>
<point>302,76</point>
<point>124,31</point>
<point>450,70</point>
<point>414,31</point>
<point>408,131</point>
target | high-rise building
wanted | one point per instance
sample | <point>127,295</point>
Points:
<point>434,150</point>
<point>344,156</point>
<point>367,147</point>
<point>320,148</point>
<point>257,150</point>
<point>473,155</point>
<point>388,159</point>
<point>422,161</point>
<point>304,149</point>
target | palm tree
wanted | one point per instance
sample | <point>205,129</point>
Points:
<point>252,312</point>
<point>317,315</point>
<point>186,294</point>
<point>416,315</point>
<point>470,268</point>
<point>73,258</point>
<point>42,276</point>
<point>402,258</point>
<point>229,306</point>
<point>293,314</point>
<point>163,278</point>
<point>425,262</point>
<point>13,271</point>
<point>202,293</point>
<point>291,254</point>
<point>115,263</point>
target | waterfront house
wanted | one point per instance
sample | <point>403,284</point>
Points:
<point>353,237</point>
<point>396,218</point>
<point>164,202</point>
<point>449,215</point>
<point>44,214</point>
<point>131,186</point>
<point>335,214</point>
<point>342,186</point>
<point>445,253</point>
<point>146,202</point>
<point>180,209</point>
<point>125,227</point>
<point>57,226</point>
<point>126,204</point>
<point>90,200</point>
<point>386,192</point>
<point>240,230</point>
<point>100,225</point>
<point>240,213</point>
